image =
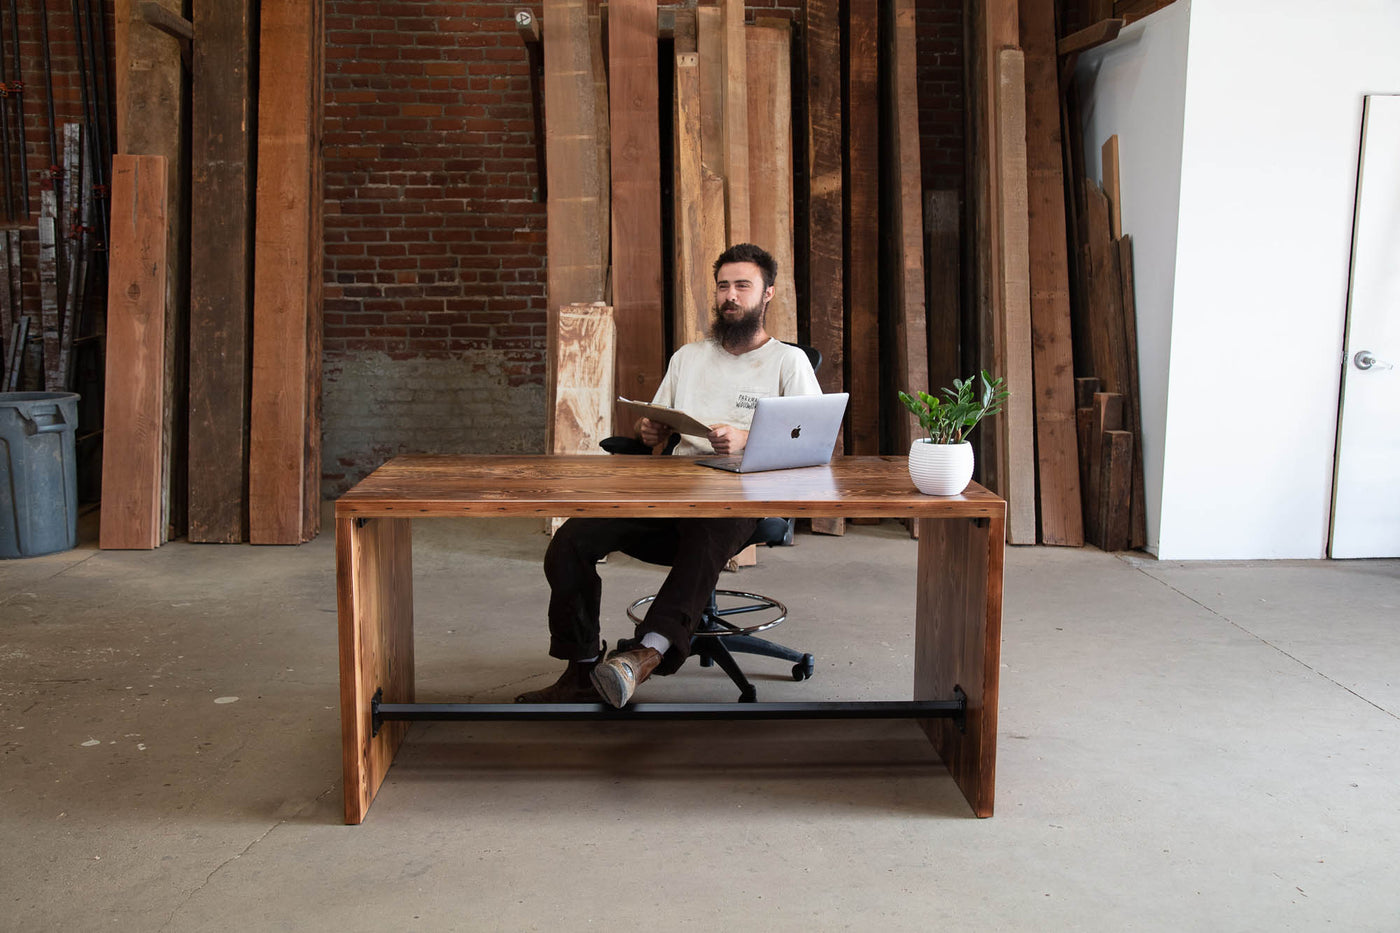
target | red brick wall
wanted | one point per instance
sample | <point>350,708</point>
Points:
<point>435,241</point>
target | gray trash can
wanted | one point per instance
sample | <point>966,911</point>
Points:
<point>38,473</point>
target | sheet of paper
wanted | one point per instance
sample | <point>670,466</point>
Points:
<point>677,420</point>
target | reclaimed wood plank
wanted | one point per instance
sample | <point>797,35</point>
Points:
<point>284,425</point>
<point>736,122</point>
<point>151,116</point>
<point>1018,417</point>
<point>909,343</point>
<point>942,273</point>
<point>221,260</point>
<point>582,343</point>
<point>133,422</point>
<point>636,198</point>
<point>709,38</point>
<point>693,282</point>
<point>1115,489</point>
<point>861,243</point>
<point>1111,188</point>
<point>576,224</point>
<point>1137,528</point>
<point>1061,515</point>
<point>1107,415</point>
<point>770,165</point>
<point>1107,342</point>
<point>990,26</point>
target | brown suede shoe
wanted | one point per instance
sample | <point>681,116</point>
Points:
<point>575,685</point>
<point>617,678</point>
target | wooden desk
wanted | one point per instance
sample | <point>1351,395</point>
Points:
<point>957,617</point>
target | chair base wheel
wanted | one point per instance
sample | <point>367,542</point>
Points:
<point>803,669</point>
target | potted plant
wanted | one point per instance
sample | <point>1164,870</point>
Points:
<point>941,464</point>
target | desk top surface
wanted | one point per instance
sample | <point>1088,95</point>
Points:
<point>423,486</point>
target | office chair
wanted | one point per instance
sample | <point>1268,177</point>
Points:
<point>716,639</point>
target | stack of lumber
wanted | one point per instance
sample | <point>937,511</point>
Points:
<point>222,440</point>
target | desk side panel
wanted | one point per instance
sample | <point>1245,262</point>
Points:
<point>958,644</point>
<point>374,593</point>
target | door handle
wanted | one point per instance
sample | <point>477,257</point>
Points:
<point>1365,359</point>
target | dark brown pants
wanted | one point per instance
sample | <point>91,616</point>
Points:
<point>696,549</point>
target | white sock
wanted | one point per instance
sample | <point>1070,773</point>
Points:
<point>653,640</point>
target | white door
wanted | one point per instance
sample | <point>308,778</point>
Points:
<point>1366,500</point>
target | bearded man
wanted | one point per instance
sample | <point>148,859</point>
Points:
<point>718,381</point>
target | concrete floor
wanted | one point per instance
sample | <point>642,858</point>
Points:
<point>1209,746</point>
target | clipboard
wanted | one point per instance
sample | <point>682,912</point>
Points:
<point>676,420</point>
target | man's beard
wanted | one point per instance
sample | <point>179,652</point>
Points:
<point>736,331</point>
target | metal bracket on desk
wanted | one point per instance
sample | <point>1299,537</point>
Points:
<point>381,712</point>
<point>360,523</point>
<point>981,522</point>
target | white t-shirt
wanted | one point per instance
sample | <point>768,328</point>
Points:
<point>714,386</point>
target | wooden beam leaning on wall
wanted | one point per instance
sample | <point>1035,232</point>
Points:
<point>221,265</point>
<point>150,115</point>
<point>770,163</point>
<point>990,25</point>
<point>1017,421</point>
<point>284,450</point>
<point>133,426</point>
<point>579,359</point>
<point>906,335</point>
<point>861,243</point>
<point>825,248</point>
<point>636,198</point>
<point>1061,517</point>
<point>736,122</point>
<point>577,231</point>
<point>693,292</point>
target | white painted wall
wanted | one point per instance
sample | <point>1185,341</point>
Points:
<point>1269,135</point>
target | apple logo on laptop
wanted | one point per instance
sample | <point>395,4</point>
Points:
<point>796,431</point>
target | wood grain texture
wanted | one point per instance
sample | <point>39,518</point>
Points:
<point>1017,420</point>
<point>693,282</point>
<point>577,225</point>
<point>133,423</point>
<point>374,597</point>
<point>825,248</point>
<point>284,421</point>
<point>736,122</point>
<point>446,485</point>
<point>1115,489</point>
<point>942,273</point>
<point>861,243</point>
<point>1137,527</point>
<point>1111,188</point>
<point>709,37</point>
<point>636,198</point>
<point>151,115</point>
<point>991,25</point>
<point>1107,341</point>
<point>910,336</point>
<point>1061,521</point>
<point>770,165</point>
<point>221,266</point>
<point>582,343</point>
<point>958,645</point>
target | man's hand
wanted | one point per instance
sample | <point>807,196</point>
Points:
<point>651,432</point>
<point>727,440</point>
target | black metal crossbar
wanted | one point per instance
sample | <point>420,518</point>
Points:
<point>954,709</point>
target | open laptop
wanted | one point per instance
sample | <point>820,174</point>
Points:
<point>788,431</point>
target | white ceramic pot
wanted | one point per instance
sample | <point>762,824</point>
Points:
<point>940,469</point>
